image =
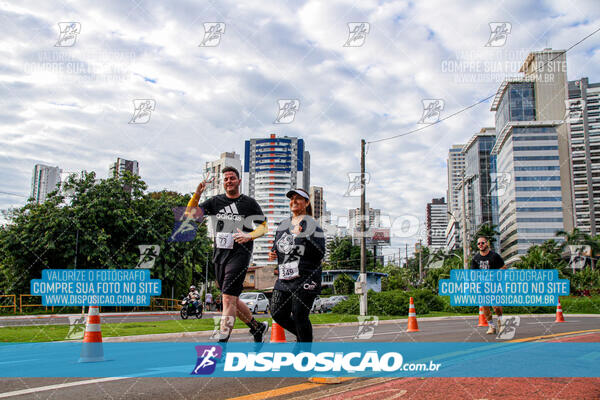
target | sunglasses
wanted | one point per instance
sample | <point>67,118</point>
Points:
<point>481,243</point>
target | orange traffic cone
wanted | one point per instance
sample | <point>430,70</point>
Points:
<point>559,314</point>
<point>413,326</point>
<point>277,333</point>
<point>482,320</point>
<point>92,350</point>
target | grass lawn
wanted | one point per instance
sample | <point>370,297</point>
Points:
<point>49,333</point>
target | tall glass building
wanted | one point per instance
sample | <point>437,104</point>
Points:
<point>478,179</point>
<point>528,171</point>
<point>272,166</point>
<point>532,155</point>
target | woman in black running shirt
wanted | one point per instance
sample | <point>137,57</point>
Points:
<point>299,247</point>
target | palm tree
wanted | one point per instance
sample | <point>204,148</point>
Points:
<point>579,238</point>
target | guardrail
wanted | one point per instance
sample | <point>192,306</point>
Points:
<point>21,305</point>
<point>14,300</point>
<point>164,303</point>
<point>156,303</point>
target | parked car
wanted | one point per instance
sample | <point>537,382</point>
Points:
<point>256,302</point>
<point>316,306</point>
<point>328,303</point>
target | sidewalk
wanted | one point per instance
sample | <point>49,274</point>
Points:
<point>108,314</point>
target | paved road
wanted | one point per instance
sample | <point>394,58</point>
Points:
<point>113,318</point>
<point>439,330</point>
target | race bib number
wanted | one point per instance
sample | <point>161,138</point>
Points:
<point>289,270</point>
<point>224,240</point>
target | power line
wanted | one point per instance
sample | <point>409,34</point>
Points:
<point>12,194</point>
<point>480,101</point>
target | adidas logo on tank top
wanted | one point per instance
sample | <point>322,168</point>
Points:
<point>229,213</point>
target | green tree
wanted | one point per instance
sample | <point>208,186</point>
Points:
<point>343,284</point>
<point>344,255</point>
<point>100,225</point>
<point>548,255</point>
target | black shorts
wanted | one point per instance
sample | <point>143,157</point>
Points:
<point>231,273</point>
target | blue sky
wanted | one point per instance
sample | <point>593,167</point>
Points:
<point>70,106</point>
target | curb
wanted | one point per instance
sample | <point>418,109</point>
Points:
<point>175,335</point>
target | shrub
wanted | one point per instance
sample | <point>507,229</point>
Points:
<point>343,285</point>
<point>393,302</point>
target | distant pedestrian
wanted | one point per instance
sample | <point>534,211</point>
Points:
<point>488,259</point>
<point>218,304</point>
<point>208,300</point>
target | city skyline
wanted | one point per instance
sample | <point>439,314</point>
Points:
<point>374,91</point>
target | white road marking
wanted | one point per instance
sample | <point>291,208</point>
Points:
<point>59,386</point>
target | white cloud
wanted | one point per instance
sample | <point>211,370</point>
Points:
<point>209,100</point>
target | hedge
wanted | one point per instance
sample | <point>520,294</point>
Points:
<point>393,302</point>
<point>396,303</point>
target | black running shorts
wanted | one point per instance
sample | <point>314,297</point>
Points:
<point>231,273</point>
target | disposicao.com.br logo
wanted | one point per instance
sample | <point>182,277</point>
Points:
<point>323,362</point>
<point>303,362</point>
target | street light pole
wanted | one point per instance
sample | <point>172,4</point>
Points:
<point>464,225</point>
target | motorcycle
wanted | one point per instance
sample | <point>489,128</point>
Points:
<point>188,309</point>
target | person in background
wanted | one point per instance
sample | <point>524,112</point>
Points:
<point>488,259</point>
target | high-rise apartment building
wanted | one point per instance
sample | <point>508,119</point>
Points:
<point>456,166</point>
<point>583,121</point>
<point>272,166</point>
<point>373,221</point>
<point>317,201</point>
<point>119,167</point>
<point>437,220</point>
<point>45,179</point>
<point>214,168</point>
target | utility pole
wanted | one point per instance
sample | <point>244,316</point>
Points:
<point>420,264</point>
<point>464,225</point>
<point>399,257</point>
<point>363,245</point>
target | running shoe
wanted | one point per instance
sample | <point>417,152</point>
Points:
<point>491,330</point>
<point>501,326</point>
<point>261,332</point>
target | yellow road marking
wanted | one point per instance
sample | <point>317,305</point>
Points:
<point>306,386</point>
<point>528,339</point>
